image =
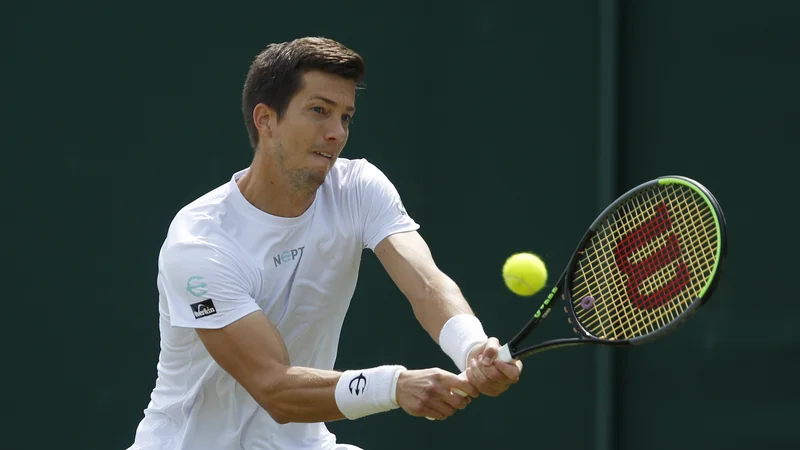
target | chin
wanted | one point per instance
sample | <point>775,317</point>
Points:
<point>315,174</point>
<point>316,181</point>
<point>315,178</point>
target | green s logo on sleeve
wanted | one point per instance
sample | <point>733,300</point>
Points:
<point>196,286</point>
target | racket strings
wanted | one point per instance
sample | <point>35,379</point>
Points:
<point>646,263</point>
<point>639,319</point>
<point>608,311</point>
<point>639,314</point>
<point>611,282</point>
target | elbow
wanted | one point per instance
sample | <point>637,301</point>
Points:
<point>435,287</point>
<point>275,410</point>
<point>279,417</point>
<point>272,402</point>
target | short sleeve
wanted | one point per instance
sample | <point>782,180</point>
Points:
<point>381,208</point>
<point>204,286</point>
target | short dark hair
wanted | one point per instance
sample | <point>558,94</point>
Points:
<point>275,75</point>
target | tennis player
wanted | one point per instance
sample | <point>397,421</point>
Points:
<point>256,276</point>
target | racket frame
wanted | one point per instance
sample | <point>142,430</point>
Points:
<point>564,284</point>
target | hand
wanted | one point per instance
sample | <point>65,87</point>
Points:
<point>428,393</point>
<point>489,375</point>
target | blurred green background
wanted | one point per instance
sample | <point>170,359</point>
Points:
<point>506,126</point>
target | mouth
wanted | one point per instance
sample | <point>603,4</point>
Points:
<point>324,155</point>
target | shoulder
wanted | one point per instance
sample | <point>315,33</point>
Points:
<point>356,174</point>
<point>205,217</point>
<point>207,261</point>
<point>198,230</point>
<point>349,171</point>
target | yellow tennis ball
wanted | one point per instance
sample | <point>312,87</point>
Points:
<point>524,273</point>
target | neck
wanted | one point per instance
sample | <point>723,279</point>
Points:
<point>271,191</point>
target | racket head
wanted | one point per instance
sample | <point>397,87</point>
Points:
<point>647,263</point>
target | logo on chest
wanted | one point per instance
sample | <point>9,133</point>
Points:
<point>288,255</point>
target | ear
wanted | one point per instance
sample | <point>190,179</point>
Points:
<point>264,119</point>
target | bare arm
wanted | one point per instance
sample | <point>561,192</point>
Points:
<point>434,297</point>
<point>248,347</point>
<point>252,352</point>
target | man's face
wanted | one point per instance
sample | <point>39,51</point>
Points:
<point>314,129</point>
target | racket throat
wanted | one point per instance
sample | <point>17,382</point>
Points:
<point>560,343</point>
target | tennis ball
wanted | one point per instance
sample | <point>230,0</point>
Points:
<point>524,273</point>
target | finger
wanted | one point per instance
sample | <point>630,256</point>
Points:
<point>494,374</point>
<point>453,399</point>
<point>477,350</point>
<point>442,409</point>
<point>473,380</point>
<point>426,409</point>
<point>483,384</point>
<point>432,414</point>
<point>470,374</point>
<point>485,374</point>
<point>510,371</point>
<point>423,410</point>
<point>490,351</point>
<point>474,374</point>
<point>455,383</point>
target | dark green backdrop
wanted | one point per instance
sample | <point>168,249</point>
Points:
<point>506,126</point>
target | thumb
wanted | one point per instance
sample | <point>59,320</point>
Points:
<point>490,351</point>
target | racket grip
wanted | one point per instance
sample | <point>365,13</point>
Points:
<point>459,392</point>
<point>504,354</point>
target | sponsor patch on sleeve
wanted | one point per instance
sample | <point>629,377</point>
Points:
<point>203,309</point>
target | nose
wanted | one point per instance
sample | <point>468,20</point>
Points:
<point>336,132</point>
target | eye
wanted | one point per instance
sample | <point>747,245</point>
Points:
<point>318,109</point>
<point>346,118</point>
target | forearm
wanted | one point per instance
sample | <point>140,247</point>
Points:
<point>445,314</point>
<point>302,394</point>
<point>441,300</point>
<point>437,301</point>
<point>308,395</point>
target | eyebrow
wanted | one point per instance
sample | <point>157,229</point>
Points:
<point>329,101</point>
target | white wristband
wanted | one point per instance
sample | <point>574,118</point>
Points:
<point>459,335</point>
<point>360,393</point>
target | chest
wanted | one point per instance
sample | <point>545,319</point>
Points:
<point>308,274</point>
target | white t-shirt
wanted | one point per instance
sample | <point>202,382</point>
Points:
<point>223,259</point>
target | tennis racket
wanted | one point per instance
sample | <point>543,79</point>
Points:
<point>644,267</point>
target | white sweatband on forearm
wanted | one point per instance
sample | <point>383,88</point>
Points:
<point>360,393</point>
<point>459,335</point>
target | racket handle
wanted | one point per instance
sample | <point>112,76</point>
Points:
<point>504,354</point>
